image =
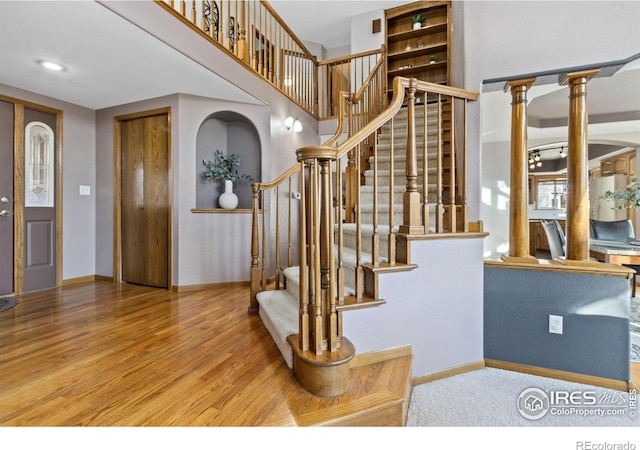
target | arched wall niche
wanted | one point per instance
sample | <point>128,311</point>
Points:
<point>228,132</point>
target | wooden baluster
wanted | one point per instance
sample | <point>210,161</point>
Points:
<point>463,178</point>
<point>242,48</point>
<point>351,174</point>
<point>375,239</point>
<point>359,274</point>
<point>229,34</point>
<point>452,172</point>
<point>439,187</point>
<point>392,200</point>
<point>183,8</point>
<point>264,246</point>
<point>260,36</point>
<point>277,240</point>
<point>577,166</point>
<point>194,19</point>
<point>327,257</point>
<point>425,167</point>
<point>224,20</point>
<point>315,88</point>
<point>303,330</point>
<point>289,227</point>
<point>255,246</point>
<point>340,220</point>
<point>411,197</point>
<point>318,335</point>
<point>518,197</point>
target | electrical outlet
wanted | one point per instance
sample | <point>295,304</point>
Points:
<point>555,324</point>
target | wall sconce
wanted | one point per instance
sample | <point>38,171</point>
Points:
<point>293,122</point>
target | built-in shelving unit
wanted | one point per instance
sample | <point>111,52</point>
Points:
<point>422,53</point>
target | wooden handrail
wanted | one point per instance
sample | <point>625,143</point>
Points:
<point>342,59</point>
<point>364,86</point>
<point>271,184</point>
<point>284,25</point>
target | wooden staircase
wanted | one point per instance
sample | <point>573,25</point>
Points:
<point>279,308</point>
<point>340,266</point>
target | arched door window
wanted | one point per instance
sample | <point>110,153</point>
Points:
<point>39,165</point>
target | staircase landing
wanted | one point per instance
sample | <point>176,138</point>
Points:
<point>378,394</point>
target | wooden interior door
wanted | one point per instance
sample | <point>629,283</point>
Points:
<point>6,198</point>
<point>339,81</point>
<point>145,200</point>
<point>40,202</point>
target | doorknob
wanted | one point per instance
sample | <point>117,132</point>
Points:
<point>5,213</point>
<point>4,200</point>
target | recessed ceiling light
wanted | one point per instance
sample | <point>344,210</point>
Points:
<point>52,65</point>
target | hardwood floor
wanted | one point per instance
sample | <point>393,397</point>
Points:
<point>103,354</point>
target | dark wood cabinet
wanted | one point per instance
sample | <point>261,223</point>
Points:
<point>538,238</point>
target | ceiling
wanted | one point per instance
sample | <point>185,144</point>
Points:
<point>101,51</point>
<point>331,24</point>
<point>110,62</point>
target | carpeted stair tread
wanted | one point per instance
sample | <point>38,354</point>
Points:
<point>279,313</point>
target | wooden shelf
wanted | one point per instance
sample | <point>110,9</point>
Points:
<point>419,68</point>
<point>418,51</point>
<point>412,34</point>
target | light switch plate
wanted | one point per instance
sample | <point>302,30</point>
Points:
<point>85,190</point>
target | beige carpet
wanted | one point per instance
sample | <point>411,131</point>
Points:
<point>491,398</point>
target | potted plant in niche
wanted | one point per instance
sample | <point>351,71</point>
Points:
<point>224,167</point>
<point>417,21</point>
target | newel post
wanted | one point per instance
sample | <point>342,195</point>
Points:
<point>411,211</point>
<point>518,196</point>
<point>254,273</point>
<point>577,166</point>
<point>321,355</point>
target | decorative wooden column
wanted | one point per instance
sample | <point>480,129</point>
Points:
<point>577,166</point>
<point>518,196</point>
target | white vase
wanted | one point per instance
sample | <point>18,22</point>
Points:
<point>228,200</point>
<point>417,26</point>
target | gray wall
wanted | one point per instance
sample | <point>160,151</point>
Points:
<point>78,168</point>
<point>595,310</point>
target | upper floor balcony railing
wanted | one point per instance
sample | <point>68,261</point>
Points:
<point>254,33</point>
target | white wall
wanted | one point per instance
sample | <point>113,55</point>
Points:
<point>362,37</point>
<point>78,168</point>
<point>436,308</point>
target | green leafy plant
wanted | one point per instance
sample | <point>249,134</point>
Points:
<point>630,194</point>
<point>223,167</point>
<point>418,19</point>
